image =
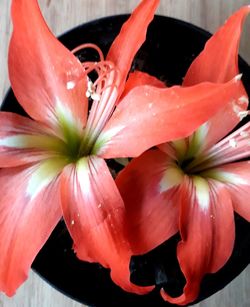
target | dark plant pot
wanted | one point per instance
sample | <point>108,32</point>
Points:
<point>170,48</point>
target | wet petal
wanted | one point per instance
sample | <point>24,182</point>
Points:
<point>46,77</point>
<point>131,37</point>
<point>149,187</point>
<point>236,177</point>
<point>207,232</point>
<point>23,141</point>
<point>94,213</point>
<point>30,209</point>
<point>154,116</point>
<point>218,62</point>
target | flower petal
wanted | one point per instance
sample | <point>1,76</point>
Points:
<point>131,37</point>
<point>46,78</point>
<point>154,116</point>
<point>151,201</point>
<point>138,78</point>
<point>94,213</point>
<point>30,209</point>
<point>23,141</point>
<point>236,177</point>
<point>218,62</point>
<point>207,232</point>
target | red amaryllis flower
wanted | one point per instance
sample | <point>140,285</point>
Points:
<point>53,163</point>
<point>193,185</point>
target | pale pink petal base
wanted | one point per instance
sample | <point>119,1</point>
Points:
<point>151,208</point>
<point>207,232</point>
<point>94,214</point>
<point>23,141</point>
<point>236,177</point>
<point>28,214</point>
<point>47,79</point>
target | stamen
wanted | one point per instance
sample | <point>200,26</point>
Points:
<point>232,148</point>
<point>104,92</point>
<point>91,46</point>
<point>91,92</point>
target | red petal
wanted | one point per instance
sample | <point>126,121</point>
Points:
<point>236,177</point>
<point>23,141</point>
<point>94,214</point>
<point>131,37</point>
<point>218,62</point>
<point>152,209</point>
<point>207,231</point>
<point>46,78</point>
<point>138,78</point>
<point>155,116</point>
<point>26,222</point>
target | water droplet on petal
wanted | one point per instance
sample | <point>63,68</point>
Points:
<point>238,77</point>
<point>70,85</point>
<point>242,114</point>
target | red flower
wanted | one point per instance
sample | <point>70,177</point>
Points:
<point>53,164</point>
<point>194,184</point>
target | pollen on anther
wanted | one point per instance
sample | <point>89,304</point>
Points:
<point>243,100</point>
<point>233,143</point>
<point>244,134</point>
<point>96,97</point>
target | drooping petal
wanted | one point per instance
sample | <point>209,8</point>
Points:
<point>29,211</point>
<point>138,78</point>
<point>131,37</point>
<point>149,188</point>
<point>154,116</point>
<point>218,62</point>
<point>23,141</point>
<point>46,78</point>
<point>94,213</point>
<point>207,232</point>
<point>236,177</point>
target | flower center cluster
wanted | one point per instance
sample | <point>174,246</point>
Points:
<point>191,159</point>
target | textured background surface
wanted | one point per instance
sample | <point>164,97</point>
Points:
<point>65,14</point>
